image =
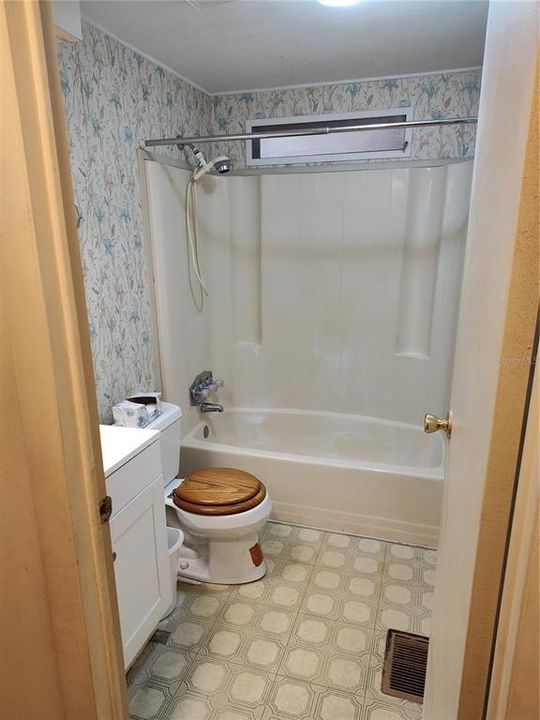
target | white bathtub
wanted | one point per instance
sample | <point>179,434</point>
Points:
<point>338,472</point>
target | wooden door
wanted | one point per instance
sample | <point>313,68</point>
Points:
<point>61,652</point>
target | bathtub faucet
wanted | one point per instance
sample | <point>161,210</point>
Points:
<point>201,389</point>
<point>207,407</point>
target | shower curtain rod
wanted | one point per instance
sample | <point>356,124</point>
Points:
<point>328,130</point>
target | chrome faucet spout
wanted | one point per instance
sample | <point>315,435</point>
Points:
<point>207,407</point>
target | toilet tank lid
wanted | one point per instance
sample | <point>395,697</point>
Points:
<point>170,413</point>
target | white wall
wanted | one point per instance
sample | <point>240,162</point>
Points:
<point>328,290</point>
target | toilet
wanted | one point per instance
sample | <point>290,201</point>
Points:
<point>219,510</point>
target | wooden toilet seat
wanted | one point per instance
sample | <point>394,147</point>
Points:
<point>219,491</point>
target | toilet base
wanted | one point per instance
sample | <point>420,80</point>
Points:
<point>224,562</point>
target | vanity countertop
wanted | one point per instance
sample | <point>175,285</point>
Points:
<point>120,444</point>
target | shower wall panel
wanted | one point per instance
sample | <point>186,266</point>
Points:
<point>333,291</point>
<point>245,232</point>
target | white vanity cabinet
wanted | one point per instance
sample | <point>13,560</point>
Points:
<point>132,461</point>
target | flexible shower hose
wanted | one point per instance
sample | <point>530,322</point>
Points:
<point>192,228</point>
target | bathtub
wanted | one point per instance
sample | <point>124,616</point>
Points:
<point>339,472</point>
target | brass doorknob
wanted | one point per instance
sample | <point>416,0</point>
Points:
<point>432,423</point>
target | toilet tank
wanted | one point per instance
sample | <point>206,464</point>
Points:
<point>169,423</point>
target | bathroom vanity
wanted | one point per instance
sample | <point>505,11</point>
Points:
<point>133,475</point>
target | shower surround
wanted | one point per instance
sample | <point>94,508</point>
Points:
<point>331,317</point>
<point>335,291</point>
<point>113,96</point>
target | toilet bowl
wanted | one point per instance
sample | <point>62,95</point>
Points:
<point>219,548</point>
<point>221,511</point>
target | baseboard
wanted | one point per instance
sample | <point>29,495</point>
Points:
<point>356,524</point>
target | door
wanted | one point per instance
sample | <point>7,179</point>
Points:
<point>61,653</point>
<point>491,373</point>
<point>141,569</point>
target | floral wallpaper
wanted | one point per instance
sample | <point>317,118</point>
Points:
<point>113,96</point>
<point>435,96</point>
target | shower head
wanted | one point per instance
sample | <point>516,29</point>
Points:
<point>222,164</point>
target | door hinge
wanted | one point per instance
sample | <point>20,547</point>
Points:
<point>105,508</point>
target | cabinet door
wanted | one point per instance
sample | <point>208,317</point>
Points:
<point>143,586</point>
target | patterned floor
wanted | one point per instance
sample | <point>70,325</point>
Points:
<point>304,643</point>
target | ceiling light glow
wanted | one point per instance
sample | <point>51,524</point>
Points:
<point>339,3</point>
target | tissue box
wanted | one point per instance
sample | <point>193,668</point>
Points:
<point>151,400</point>
<point>131,414</point>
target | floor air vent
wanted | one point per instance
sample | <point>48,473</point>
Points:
<point>405,663</point>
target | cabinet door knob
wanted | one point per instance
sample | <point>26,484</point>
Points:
<point>113,556</point>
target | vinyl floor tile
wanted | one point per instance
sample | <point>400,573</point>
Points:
<point>248,634</point>
<point>332,654</point>
<point>283,586</point>
<point>223,686</point>
<point>295,543</point>
<point>292,699</point>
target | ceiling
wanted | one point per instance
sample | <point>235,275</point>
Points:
<point>232,45</point>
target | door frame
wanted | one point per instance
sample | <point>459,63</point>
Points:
<point>58,594</point>
<point>514,678</point>
<point>61,651</point>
